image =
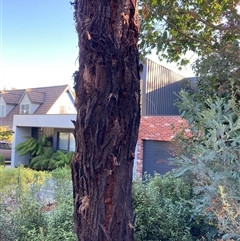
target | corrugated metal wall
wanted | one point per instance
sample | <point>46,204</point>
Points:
<point>158,87</point>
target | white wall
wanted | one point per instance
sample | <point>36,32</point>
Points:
<point>9,108</point>
<point>19,134</point>
<point>2,103</point>
<point>25,101</point>
<point>56,121</point>
<point>22,126</point>
<point>33,107</point>
<point>64,100</point>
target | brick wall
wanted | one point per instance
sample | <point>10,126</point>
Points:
<point>156,128</point>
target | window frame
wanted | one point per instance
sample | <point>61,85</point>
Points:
<point>23,107</point>
<point>2,110</point>
<point>63,109</point>
<point>68,141</point>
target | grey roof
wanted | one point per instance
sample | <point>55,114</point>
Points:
<point>45,96</point>
<point>12,96</point>
<point>36,96</point>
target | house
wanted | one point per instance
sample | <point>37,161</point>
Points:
<point>57,126</point>
<point>158,88</point>
<point>37,101</point>
<point>51,100</point>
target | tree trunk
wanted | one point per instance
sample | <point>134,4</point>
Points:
<point>108,115</point>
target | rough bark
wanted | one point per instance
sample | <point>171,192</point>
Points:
<point>108,114</point>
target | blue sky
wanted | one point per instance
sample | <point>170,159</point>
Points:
<point>38,43</point>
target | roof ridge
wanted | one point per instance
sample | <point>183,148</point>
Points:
<point>11,93</point>
<point>33,88</point>
<point>51,86</point>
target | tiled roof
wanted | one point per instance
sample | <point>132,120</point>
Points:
<point>36,96</point>
<point>12,96</point>
<point>45,96</point>
<point>51,95</point>
<point>8,120</point>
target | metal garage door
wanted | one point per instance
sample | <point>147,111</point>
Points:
<point>155,155</point>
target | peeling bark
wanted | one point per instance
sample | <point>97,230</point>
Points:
<point>108,115</point>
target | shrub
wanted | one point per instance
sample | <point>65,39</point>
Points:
<point>12,177</point>
<point>32,146</point>
<point>42,155</point>
<point>163,210</point>
<point>23,215</point>
<point>2,160</point>
<point>60,222</point>
<point>5,134</point>
<point>51,160</point>
<point>211,161</point>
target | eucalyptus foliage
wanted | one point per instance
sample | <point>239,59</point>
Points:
<point>210,160</point>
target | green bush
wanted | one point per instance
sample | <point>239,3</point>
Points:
<point>163,210</point>
<point>51,160</point>
<point>24,217</point>
<point>2,160</point>
<point>20,215</point>
<point>5,134</point>
<point>60,222</point>
<point>11,178</point>
<point>162,207</point>
<point>210,161</point>
<point>32,146</point>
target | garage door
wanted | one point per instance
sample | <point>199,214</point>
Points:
<point>155,155</point>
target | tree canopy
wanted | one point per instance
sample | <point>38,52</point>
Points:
<point>174,27</point>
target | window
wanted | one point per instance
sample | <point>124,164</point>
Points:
<point>66,141</point>
<point>63,110</point>
<point>5,145</point>
<point>6,149</point>
<point>2,110</point>
<point>24,109</point>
